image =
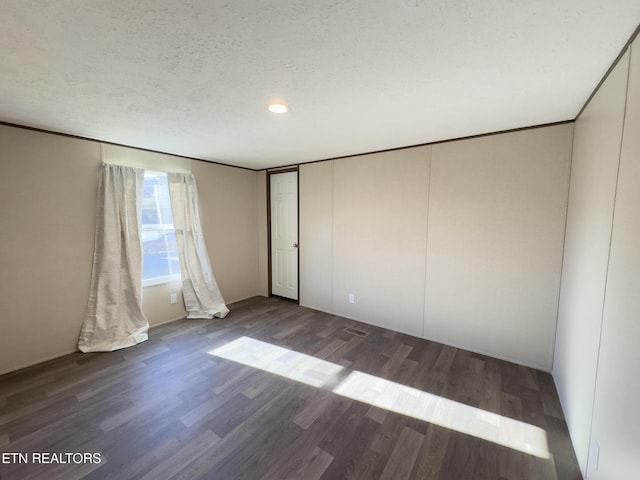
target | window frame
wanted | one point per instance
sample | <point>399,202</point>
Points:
<point>163,230</point>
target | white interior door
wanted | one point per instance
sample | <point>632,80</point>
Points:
<point>284,234</point>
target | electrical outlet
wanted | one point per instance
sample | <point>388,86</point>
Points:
<point>173,298</point>
<point>352,298</point>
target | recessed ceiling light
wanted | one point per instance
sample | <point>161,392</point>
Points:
<point>278,108</point>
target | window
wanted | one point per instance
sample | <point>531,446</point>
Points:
<point>160,262</point>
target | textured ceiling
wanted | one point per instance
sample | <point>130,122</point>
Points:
<point>194,77</point>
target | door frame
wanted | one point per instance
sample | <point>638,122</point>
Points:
<point>269,254</point>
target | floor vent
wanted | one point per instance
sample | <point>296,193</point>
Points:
<point>355,331</point>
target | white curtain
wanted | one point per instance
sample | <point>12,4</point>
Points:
<point>202,296</point>
<point>114,317</point>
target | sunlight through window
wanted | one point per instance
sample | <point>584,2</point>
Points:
<point>280,361</point>
<point>387,395</point>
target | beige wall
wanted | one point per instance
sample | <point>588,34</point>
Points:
<point>379,235</point>
<point>263,246</point>
<point>597,344</point>
<point>594,170</point>
<point>48,186</point>
<point>459,242</point>
<point>141,159</point>
<point>229,220</point>
<point>316,235</point>
<point>496,226</point>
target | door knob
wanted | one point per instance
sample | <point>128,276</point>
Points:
<point>295,245</point>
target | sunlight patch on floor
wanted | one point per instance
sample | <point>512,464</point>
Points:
<point>387,395</point>
<point>446,413</point>
<point>280,361</point>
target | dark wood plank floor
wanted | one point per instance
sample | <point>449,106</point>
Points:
<point>167,409</point>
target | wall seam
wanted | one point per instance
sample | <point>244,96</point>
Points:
<point>257,199</point>
<point>333,231</point>
<point>564,244</point>
<point>426,240</point>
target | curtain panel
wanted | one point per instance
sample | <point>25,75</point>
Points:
<point>202,296</point>
<point>114,317</point>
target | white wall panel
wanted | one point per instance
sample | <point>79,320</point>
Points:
<point>616,417</point>
<point>487,276</point>
<point>316,235</point>
<point>496,225</point>
<point>379,237</point>
<point>594,170</point>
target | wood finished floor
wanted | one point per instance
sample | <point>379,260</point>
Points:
<point>167,409</point>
